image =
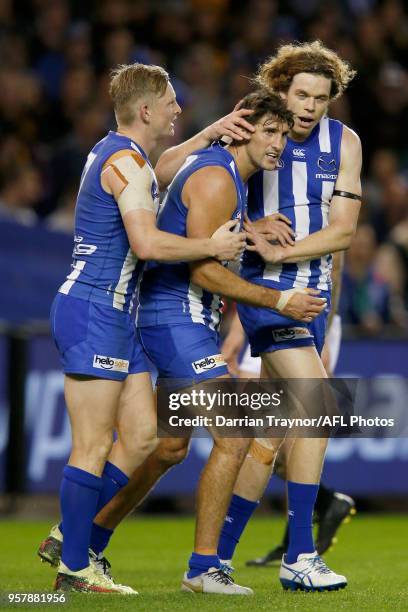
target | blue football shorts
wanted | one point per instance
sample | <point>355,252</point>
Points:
<point>95,340</point>
<point>269,331</point>
<point>189,352</point>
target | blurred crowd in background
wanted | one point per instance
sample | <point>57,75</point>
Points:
<point>54,105</point>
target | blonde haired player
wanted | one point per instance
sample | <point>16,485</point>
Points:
<point>105,369</point>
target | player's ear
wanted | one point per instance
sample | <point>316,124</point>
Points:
<point>145,113</point>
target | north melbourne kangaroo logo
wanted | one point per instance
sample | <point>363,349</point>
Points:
<point>327,163</point>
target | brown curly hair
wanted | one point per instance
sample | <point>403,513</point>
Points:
<point>278,71</point>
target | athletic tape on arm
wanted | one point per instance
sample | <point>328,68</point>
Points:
<point>285,296</point>
<point>137,193</point>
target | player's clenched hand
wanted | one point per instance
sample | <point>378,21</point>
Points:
<point>275,228</point>
<point>233,125</point>
<point>228,245</point>
<point>301,304</point>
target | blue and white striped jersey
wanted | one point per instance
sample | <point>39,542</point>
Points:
<point>104,268</point>
<point>301,188</point>
<point>167,296</point>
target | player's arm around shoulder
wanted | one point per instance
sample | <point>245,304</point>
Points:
<point>233,125</point>
<point>129,179</point>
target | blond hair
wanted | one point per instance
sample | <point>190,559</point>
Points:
<point>129,82</point>
<point>278,71</point>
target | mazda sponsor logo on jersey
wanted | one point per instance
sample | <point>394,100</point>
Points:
<point>280,164</point>
<point>328,177</point>
<point>291,333</point>
<point>299,153</point>
<point>208,363</point>
<point>103,362</point>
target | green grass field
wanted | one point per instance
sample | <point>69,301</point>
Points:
<point>151,554</point>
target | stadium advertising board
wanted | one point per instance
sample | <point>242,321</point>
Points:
<point>358,466</point>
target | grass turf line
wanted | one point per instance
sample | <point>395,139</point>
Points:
<point>151,554</point>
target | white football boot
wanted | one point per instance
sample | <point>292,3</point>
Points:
<point>310,573</point>
<point>216,580</point>
<point>90,579</point>
<point>50,549</point>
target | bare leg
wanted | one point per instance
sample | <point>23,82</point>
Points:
<point>169,452</point>
<point>253,479</point>
<point>92,406</point>
<point>281,461</point>
<point>257,468</point>
<point>215,490</point>
<point>258,465</point>
<point>307,455</point>
<point>136,424</point>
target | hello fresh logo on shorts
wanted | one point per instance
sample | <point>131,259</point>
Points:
<point>110,363</point>
<point>208,363</point>
<point>290,333</point>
